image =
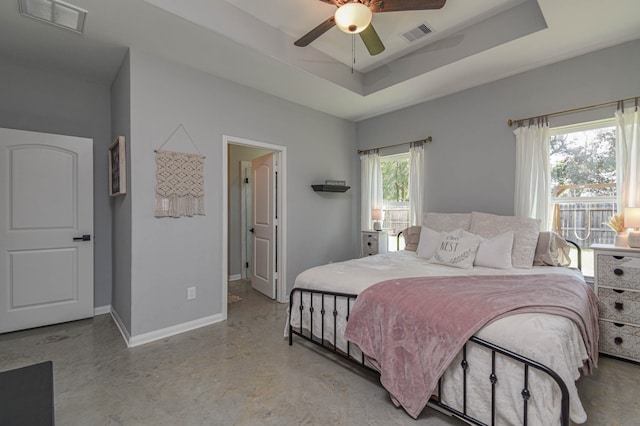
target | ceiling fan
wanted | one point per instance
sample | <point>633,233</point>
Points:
<point>354,17</point>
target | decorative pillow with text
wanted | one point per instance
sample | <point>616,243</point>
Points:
<point>456,250</point>
<point>430,240</point>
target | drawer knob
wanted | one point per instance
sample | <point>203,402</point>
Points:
<point>618,291</point>
<point>619,306</point>
<point>618,257</point>
<point>618,271</point>
<point>369,244</point>
<point>618,340</point>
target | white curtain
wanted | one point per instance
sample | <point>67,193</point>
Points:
<point>533,175</point>
<point>628,157</point>
<point>371,187</point>
<point>416,183</point>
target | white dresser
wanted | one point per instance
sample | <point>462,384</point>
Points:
<point>617,283</point>
<point>374,242</point>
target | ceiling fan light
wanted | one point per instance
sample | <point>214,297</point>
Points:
<point>353,18</point>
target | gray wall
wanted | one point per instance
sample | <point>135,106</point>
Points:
<point>121,205</point>
<point>169,255</point>
<point>470,165</point>
<point>44,101</point>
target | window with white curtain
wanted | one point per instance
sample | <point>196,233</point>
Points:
<point>395,195</point>
<point>584,183</point>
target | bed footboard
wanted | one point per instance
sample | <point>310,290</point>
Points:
<point>325,310</point>
<point>330,305</point>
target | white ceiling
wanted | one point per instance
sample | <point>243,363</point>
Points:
<point>297,17</point>
<point>251,42</point>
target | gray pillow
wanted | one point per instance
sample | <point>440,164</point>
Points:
<point>411,238</point>
<point>552,250</point>
<point>525,231</point>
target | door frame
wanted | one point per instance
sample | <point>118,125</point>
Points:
<point>281,201</point>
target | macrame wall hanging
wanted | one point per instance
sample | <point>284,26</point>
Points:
<point>180,181</point>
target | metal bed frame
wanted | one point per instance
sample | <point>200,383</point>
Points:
<point>328,306</point>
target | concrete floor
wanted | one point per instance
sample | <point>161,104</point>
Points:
<point>241,372</point>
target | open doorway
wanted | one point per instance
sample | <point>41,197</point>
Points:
<point>240,214</point>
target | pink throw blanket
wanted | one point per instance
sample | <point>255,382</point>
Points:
<point>412,328</point>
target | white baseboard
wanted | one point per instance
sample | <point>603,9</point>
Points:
<point>235,277</point>
<point>121,326</point>
<point>152,336</point>
<point>101,310</point>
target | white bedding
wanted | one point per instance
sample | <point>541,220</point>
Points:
<point>549,339</point>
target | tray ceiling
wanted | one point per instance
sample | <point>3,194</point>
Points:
<point>251,42</point>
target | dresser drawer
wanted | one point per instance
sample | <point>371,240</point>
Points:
<point>621,340</point>
<point>369,251</point>
<point>618,271</point>
<point>619,305</point>
<point>374,242</point>
<point>369,239</point>
<point>369,244</point>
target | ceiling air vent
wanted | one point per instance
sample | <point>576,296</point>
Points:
<point>54,12</point>
<point>417,33</point>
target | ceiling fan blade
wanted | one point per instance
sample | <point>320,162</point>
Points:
<point>371,40</point>
<point>306,39</point>
<point>377,6</point>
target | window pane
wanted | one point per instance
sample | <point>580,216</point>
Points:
<point>583,163</point>
<point>395,195</point>
<point>395,180</point>
<point>583,185</point>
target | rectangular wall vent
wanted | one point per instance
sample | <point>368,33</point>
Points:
<point>54,12</point>
<point>417,33</point>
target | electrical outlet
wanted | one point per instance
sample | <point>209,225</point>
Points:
<point>191,293</point>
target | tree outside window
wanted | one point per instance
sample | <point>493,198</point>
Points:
<point>583,183</point>
<point>395,195</point>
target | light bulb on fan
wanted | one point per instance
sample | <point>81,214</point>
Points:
<point>353,18</point>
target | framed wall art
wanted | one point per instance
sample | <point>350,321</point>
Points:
<point>117,168</point>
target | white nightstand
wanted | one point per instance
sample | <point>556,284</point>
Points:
<point>617,284</point>
<point>374,242</point>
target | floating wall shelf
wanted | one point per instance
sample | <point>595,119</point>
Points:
<point>330,188</point>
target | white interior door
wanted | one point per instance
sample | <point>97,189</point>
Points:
<point>263,264</point>
<point>245,220</point>
<point>46,229</point>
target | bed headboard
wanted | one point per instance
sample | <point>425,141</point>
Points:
<point>534,247</point>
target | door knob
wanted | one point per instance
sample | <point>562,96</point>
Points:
<point>85,237</point>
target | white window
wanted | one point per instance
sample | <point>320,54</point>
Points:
<point>395,196</point>
<point>583,184</point>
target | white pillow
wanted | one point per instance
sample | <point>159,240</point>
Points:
<point>430,240</point>
<point>494,252</point>
<point>427,243</point>
<point>456,250</point>
<point>525,234</point>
